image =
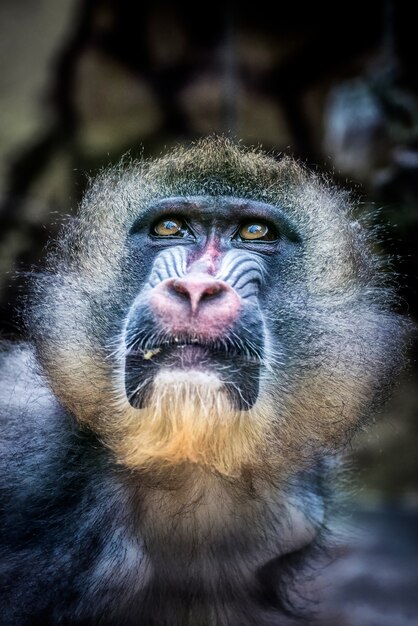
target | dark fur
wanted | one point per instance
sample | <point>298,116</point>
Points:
<point>87,541</point>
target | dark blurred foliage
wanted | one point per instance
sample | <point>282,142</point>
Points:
<point>84,81</point>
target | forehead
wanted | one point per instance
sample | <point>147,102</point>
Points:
<point>212,206</point>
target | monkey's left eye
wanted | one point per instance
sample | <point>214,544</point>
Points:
<point>169,227</point>
<point>257,231</point>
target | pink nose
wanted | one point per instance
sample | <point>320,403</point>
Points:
<point>195,303</point>
<point>196,290</point>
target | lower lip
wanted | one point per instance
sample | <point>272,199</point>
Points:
<point>189,355</point>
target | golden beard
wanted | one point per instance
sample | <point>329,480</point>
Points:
<point>189,419</point>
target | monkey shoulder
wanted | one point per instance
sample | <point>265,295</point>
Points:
<point>30,416</point>
<point>49,468</point>
<point>40,445</point>
<point>20,379</point>
<point>60,521</point>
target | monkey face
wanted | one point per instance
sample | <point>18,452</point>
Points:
<point>198,314</point>
<point>195,336</point>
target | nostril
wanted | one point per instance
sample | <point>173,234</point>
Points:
<point>196,290</point>
<point>211,291</point>
<point>181,288</point>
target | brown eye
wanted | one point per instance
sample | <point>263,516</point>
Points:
<point>257,231</point>
<point>168,226</point>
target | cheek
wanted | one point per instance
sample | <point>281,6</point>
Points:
<point>144,264</point>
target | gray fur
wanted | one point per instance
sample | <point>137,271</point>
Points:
<point>87,541</point>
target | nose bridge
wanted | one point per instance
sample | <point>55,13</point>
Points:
<point>209,260</point>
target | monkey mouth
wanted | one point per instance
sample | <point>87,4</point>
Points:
<point>236,366</point>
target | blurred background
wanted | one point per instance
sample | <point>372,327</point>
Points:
<point>84,81</point>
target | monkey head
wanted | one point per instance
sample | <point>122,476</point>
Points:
<point>216,306</point>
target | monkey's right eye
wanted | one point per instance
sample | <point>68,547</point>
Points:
<point>169,227</point>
